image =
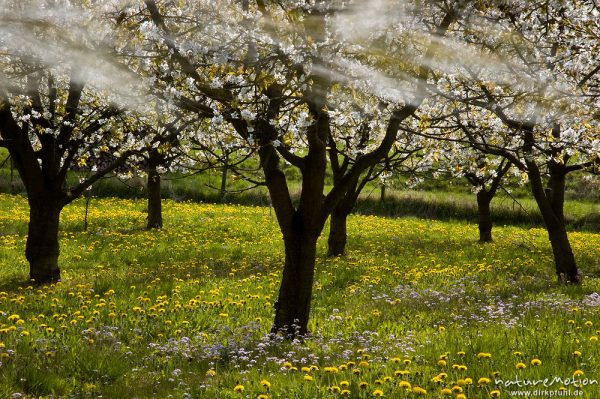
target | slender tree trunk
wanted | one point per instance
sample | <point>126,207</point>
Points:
<point>293,303</point>
<point>42,248</point>
<point>223,188</point>
<point>382,193</point>
<point>155,220</point>
<point>564,260</point>
<point>551,204</point>
<point>484,215</point>
<point>338,235</point>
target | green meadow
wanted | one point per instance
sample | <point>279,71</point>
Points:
<point>417,308</point>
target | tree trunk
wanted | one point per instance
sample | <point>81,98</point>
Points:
<point>564,260</point>
<point>223,188</point>
<point>155,220</point>
<point>382,193</point>
<point>550,201</point>
<point>293,303</point>
<point>337,233</point>
<point>484,215</point>
<point>42,248</point>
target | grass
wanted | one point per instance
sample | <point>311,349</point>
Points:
<point>184,312</point>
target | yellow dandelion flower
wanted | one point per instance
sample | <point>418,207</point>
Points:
<point>335,389</point>
<point>484,355</point>
<point>344,384</point>
<point>404,384</point>
<point>577,373</point>
<point>378,393</point>
<point>419,391</point>
<point>363,384</point>
<point>308,378</point>
<point>345,392</point>
<point>536,362</point>
<point>446,391</point>
<point>265,384</point>
<point>577,353</point>
<point>239,388</point>
<point>520,366</point>
<point>495,393</point>
<point>211,373</point>
<point>461,396</point>
<point>457,389</point>
<point>483,381</point>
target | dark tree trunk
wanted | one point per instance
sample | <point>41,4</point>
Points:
<point>382,193</point>
<point>564,260</point>
<point>223,188</point>
<point>484,216</point>
<point>337,233</point>
<point>293,303</point>
<point>42,248</point>
<point>155,220</point>
<point>550,201</point>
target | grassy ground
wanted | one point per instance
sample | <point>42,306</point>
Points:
<point>416,306</point>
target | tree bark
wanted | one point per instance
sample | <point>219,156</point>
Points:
<point>484,216</point>
<point>293,303</point>
<point>564,260</point>
<point>155,220</point>
<point>223,188</point>
<point>337,239</point>
<point>42,248</point>
<point>550,201</point>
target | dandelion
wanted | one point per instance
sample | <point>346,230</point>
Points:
<point>419,391</point>
<point>211,373</point>
<point>483,381</point>
<point>238,388</point>
<point>335,389</point>
<point>308,378</point>
<point>461,396</point>
<point>594,338</point>
<point>344,384</point>
<point>577,373</point>
<point>461,353</point>
<point>457,389</point>
<point>265,384</point>
<point>442,363</point>
<point>378,393</point>
<point>363,384</point>
<point>345,392</point>
<point>577,354</point>
<point>536,362</point>
<point>484,355</point>
<point>520,366</point>
<point>495,393</point>
<point>263,396</point>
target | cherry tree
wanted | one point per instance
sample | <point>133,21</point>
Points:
<point>55,112</point>
<point>530,83</point>
<point>274,72</point>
